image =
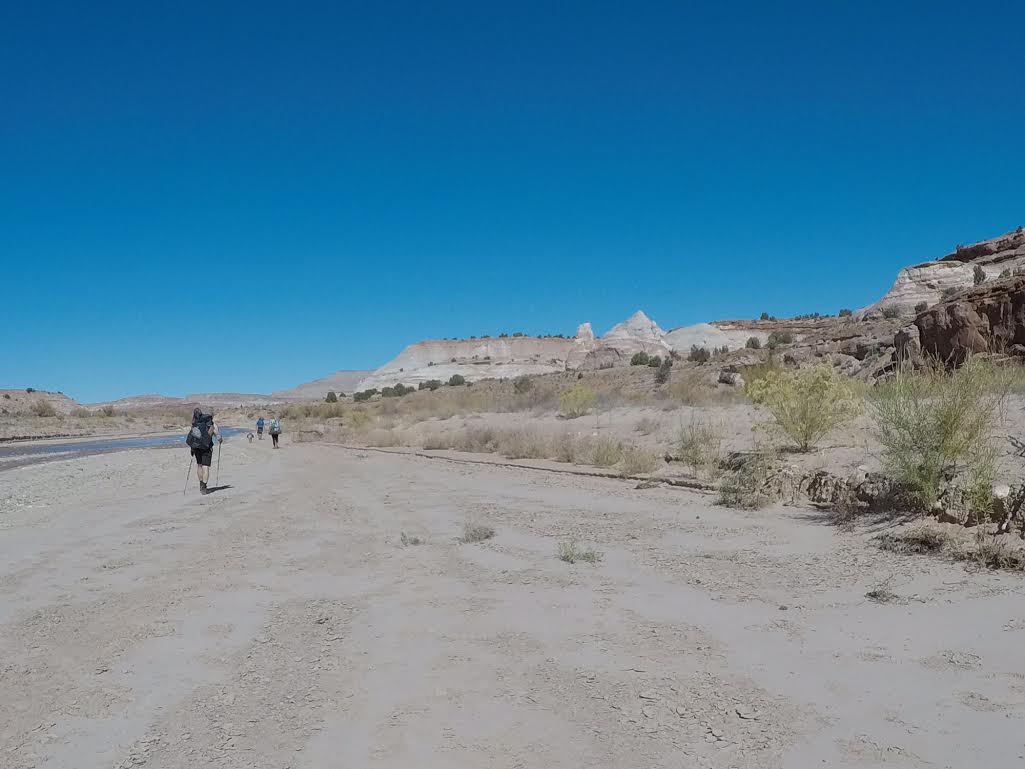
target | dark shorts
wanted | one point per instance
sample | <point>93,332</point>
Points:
<point>203,456</point>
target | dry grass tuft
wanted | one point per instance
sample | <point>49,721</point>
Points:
<point>476,532</point>
<point>606,451</point>
<point>571,553</point>
<point>646,426</point>
<point>700,446</point>
<point>637,460</point>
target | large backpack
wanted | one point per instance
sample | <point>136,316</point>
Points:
<point>199,436</point>
<point>275,427</point>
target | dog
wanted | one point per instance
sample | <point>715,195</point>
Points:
<point>250,437</point>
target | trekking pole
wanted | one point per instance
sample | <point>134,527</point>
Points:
<point>187,476</point>
<point>219,444</point>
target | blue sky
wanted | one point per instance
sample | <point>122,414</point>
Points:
<point>243,197</point>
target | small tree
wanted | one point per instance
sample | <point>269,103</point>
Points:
<point>332,397</point>
<point>845,313</point>
<point>456,380</point>
<point>978,275</point>
<point>639,359</point>
<point>779,338</point>
<point>664,371</point>
<point>806,404</point>
<point>753,343</point>
<point>699,354</point>
<point>764,316</point>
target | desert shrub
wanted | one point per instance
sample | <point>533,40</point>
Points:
<point>655,361</point>
<point>430,384</point>
<point>688,389</point>
<point>522,443</point>
<point>80,412</point>
<point>357,419</point>
<point>637,460</point>
<point>570,552</point>
<point>949,291</point>
<point>567,447</point>
<point>744,486</point>
<point>978,275</point>
<point>576,401</point>
<point>935,427</point>
<point>699,354</point>
<point>753,343</point>
<point>806,404</point>
<point>1005,273</point>
<point>456,380</point>
<point>606,452</point>
<point>476,532</point>
<point>108,411</point>
<point>30,390</point>
<point>382,438</point>
<point>699,445</point>
<point>364,395</point>
<point>921,307</point>
<point>43,409</point>
<point>639,359</point>
<point>409,540</point>
<point>477,440</point>
<point>522,384</point>
<point>844,313</point>
<point>764,316</point>
<point>7,396</point>
<point>396,391</point>
<point>332,397</point>
<point>664,371</point>
<point>891,311</point>
<point>779,338</point>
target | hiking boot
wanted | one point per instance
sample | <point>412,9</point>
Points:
<point>202,488</point>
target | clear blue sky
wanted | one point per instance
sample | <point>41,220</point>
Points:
<point>243,197</point>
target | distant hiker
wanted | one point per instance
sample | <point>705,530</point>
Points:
<point>259,428</point>
<point>201,441</point>
<point>275,430</point>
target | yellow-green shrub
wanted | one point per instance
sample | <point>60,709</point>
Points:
<point>806,403</point>
<point>576,401</point>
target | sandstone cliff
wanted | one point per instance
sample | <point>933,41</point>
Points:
<point>929,282</point>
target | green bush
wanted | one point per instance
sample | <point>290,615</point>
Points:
<point>606,452</point>
<point>456,380</point>
<point>936,427</point>
<point>522,384</point>
<point>639,359</point>
<point>806,404</point>
<point>744,486</point>
<point>764,316</point>
<point>576,401</point>
<point>949,291</point>
<point>396,391</point>
<point>365,395</point>
<point>978,275</point>
<point>332,397</point>
<point>655,361</point>
<point>891,311</point>
<point>845,313</point>
<point>921,307</point>
<point>430,384</point>
<point>779,338</point>
<point>753,343</point>
<point>107,411</point>
<point>699,354</point>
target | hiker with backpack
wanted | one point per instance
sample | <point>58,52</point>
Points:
<point>259,428</point>
<point>200,441</point>
<point>275,430</point>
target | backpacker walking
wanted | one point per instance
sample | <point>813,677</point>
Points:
<point>275,430</point>
<point>200,441</point>
<point>259,428</point>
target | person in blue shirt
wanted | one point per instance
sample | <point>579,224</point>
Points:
<point>259,428</point>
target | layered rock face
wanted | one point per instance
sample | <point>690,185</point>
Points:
<point>956,271</point>
<point>988,318</point>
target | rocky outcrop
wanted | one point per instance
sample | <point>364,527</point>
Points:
<point>711,336</point>
<point>989,318</point>
<point>638,333</point>
<point>931,281</point>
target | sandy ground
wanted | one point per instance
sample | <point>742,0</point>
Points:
<point>280,623</point>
